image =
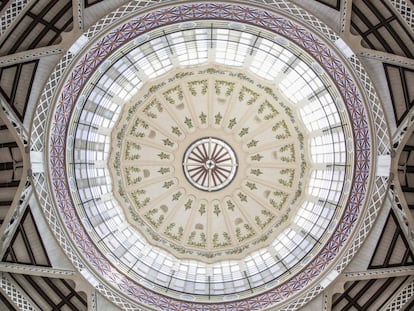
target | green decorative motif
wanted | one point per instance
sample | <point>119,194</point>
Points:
<point>252,186</point>
<point>257,172</point>
<point>252,143</point>
<point>188,204</point>
<point>168,142</point>
<point>218,117</point>
<point>177,91</point>
<point>220,84</point>
<point>163,156</point>
<point>203,118</point>
<point>291,153</point>
<point>269,217</point>
<point>164,170</point>
<point>252,94</point>
<point>168,184</point>
<point>153,108</point>
<point>216,210</point>
<point>150,217</point>
<point>156,87</point>
<point>176,236</point>
<point>232,123</point>
<point>202,209</point>
<point>281,129</point>
<point>201,85</point>
<point>130,172</point>
<point>281,199</point>
<point>135,128</point>
<point>176,196</point>
<point>268,110</point>
<point>244,131</point>
<point>138,202</point>
<point>257,157</point>
<point>242,197</point>
<point>290,172</point>
<point>230,205</point>
<point>188,122</point>
<point>175,130</point>
<point>130,147</point>
<point>226,240</point>
<point>248,232</point>
<point>202,241</point>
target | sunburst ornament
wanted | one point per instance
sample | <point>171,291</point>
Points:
<point>210,164</point>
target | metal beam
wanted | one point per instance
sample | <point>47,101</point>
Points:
<point>15,294</point>
<point>12,220</point>
<point>26,56</point>
<point>13,122</point>
<point>378,273</point>
<point>36,270</point>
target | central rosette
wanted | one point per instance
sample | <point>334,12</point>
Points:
<point>209,162</point>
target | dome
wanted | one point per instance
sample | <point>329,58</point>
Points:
<point>211,155</point>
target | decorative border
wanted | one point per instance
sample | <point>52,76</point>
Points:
<point>241,13</point>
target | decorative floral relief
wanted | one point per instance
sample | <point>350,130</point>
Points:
<point>174,94</point>
<point>225,87</point>
<point>140,203</point>
<point>244,232</point>
<point>257,172</point>
<point>131,151</point>
<point>290,156</point>
<point>175,130</point>
<point>150,216</point>
<point>279,199</point>
<point>250,94</point>
<point>251,185</point>
<point>244,131</point>
<point>168,184</point>
<point>290,172</point>
<point>168,142</point>
<point>232,123</point>
<point>189,122</point>
<point>252,143</point>
<point>257,157</point>
<point>203,118</point>
<point>163,156</point>
<point>132,175</point>
<point>242,197</point>
<point>202,209</point>
<point>226,241</point>
<point>188,204</point>
<point>176,196</point>
<point>198,87</point>
<point>268,110</point>
<point>177,235</point>
<point>218,117</point>
<point>268,218</point>
<point>164,170</point>
<point>230,205</point>
<point>281,130</point>
<point>153,109</point>
<point>217,209</point>
<point>200,242</point>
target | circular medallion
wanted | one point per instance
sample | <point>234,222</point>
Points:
<point>210,164</point>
